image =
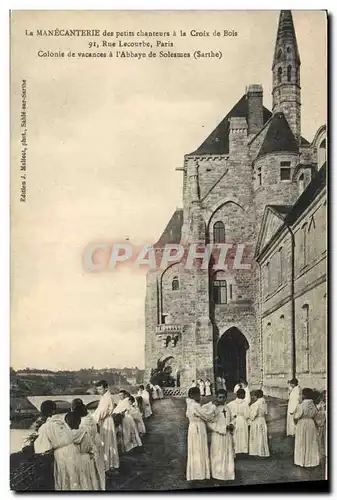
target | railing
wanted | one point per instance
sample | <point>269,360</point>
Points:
<point>174,392</point>
<point>167,328</point>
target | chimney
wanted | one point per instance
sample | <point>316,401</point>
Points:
<point>255,108</point>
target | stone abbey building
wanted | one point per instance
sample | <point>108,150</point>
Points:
<point>254,181</point>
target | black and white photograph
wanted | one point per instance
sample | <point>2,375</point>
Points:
<point>168,212</point>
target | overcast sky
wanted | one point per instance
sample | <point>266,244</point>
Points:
<point>104,139</point>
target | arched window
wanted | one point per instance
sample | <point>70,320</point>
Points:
<point>175,283</point>
<point>305,354</point>
<point>289,73</point>
<point>288,50</point>
<point>220,289</point>
<point>279,54</point>
<point>219,232</point>
<point>279,75</point>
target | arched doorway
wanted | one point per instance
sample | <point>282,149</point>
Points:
<point>231,357</point>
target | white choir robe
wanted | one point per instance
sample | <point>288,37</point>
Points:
<point>247,395</point>
<point>146,403</point>
<point>154,392</point>
<point>240,413</point>
<point>55,435</point>
<point>159,391</point>
<point>201,385</point>
<point>103,417</point>
<point>321,428</point>
<point>258,435</point>
<point>88,423</point>
<point>208,391</point>
<point>130,435</point>
<point>86,446</point>
<point>137,417</point>
<point>222,445</point>
<point>294,400</point>
<point>198,465</point>
<point>306,452</point>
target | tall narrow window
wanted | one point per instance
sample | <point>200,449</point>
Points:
<point>289,73</point>
<point>230,291</point>
<point>268,278</point>
<point>279,75</point>
<point>306,338</point>
<point>219,232</point>
<point>303,246</point>
<point>175,283</point>
<point>220,289</point>
<point>280,266</point>
<point>259,176</point>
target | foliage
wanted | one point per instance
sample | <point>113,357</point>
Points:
<point>161,375</point>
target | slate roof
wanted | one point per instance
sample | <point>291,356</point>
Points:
<point>279,136</point>
<point>286,33</point>
<point>172,232</point>
<point>309,194</point>
<point>217,143</point>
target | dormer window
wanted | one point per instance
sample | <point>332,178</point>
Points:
<point>285,171</point>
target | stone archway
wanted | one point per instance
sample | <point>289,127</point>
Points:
<point>231,360</point>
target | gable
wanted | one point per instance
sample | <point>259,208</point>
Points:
<point>271,223</point>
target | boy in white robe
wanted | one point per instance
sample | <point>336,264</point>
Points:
<point>103,417</point>
<point>258,434</point>
<point>222,445</point>
<point>198,465</point>
<point>306,451</point>
<point>147,410</point>
<point>130,435</point>
<point>208,387</point>
<point>55,435</point>
<point>237,387</point>
<point>240,414</point>
<point>201,385</point>
<point>137,416</point>
<point>159,391</point>
<point>294,401</point>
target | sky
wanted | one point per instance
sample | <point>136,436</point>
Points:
<point>104,140</point>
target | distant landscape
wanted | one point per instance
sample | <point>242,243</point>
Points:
<point>39,382</point>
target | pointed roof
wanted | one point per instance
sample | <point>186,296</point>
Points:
<point>172,232</point>
<point>217,143</point>
<point>279,136</point>
<point>286,34</point>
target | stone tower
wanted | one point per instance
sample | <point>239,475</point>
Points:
<point>286,74</point>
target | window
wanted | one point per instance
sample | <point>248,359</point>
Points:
<point>288,50</point>
<point>222,290</point>
<point>279,75</point>
<point>175,283</point>
<point>219,232</point>
<point>285,171</point>
<point>279,54</point>
<point>289,73</point>
<point>303,245</point>
<point>268,284</point>
<point>259,176</point>
<point>305,338</point>
<point>280,266</point>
